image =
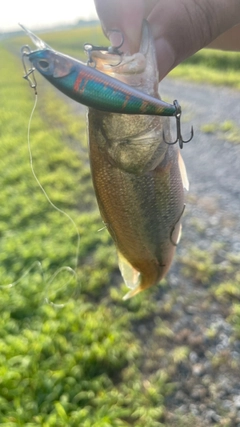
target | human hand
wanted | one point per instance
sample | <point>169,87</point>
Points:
<point>180,27</point>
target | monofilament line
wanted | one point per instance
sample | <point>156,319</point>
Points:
<point>69,269</point>
<point>41,187</point>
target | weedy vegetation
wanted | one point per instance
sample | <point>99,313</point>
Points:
<point>74,360</point>
<point>228,131</point>
<point>211,66</point>
<point>72,353</point>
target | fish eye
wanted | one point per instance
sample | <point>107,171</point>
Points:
<point>43,63</point>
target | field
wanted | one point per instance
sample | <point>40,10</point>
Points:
<point>72,353</point>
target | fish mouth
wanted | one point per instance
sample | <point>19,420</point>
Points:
<point>138,70</point>
<point>39,43</point>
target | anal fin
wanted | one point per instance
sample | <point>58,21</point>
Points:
<point>132,293</point>
<point>130,275</point>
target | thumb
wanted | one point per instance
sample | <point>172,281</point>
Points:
<point>125,16</point>
<point>181,28</point>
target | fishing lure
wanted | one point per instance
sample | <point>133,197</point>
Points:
<point>93,88</point>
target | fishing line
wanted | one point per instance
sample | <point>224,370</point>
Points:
<point>38,263</point>
<point>66,268</point>
<point>44,191</point>
<point>26,273</point>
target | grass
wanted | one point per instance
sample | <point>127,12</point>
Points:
<point>79,364</point>
<point>70,352</point>
<point>228,130</point>
<point>211,66</point>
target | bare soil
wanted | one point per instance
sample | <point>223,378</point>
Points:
<point>208,382</point>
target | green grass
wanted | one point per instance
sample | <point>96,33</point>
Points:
<point>79,364</point>
<point>211,66</point>
<point>82,363</point>
<point>228,130</point>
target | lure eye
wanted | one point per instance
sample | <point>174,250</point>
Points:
<point>44,64</point>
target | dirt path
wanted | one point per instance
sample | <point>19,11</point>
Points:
<point>208,381</point>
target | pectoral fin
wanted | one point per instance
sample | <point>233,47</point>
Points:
<point>183,172</point>
<point>179,234</point>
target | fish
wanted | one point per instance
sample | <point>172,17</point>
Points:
<point>139,180</point>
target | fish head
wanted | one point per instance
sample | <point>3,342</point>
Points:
<point>138,70</point>
<point>134,143</point>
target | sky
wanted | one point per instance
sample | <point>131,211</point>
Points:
<point>44,13</point>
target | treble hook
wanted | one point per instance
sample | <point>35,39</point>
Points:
<point>32,82</point>
<point>179,134</point>
<point>89,48</point>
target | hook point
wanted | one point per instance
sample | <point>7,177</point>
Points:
<point>179,138</point>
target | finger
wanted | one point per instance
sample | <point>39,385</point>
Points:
<point>182,28</point>
<point>230,40</point>
<point>123,15</point>
<point>149,6</point>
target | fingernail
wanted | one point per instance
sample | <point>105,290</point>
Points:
<point>115,37</point>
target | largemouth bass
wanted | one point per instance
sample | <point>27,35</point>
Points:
<point>139,180</point>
